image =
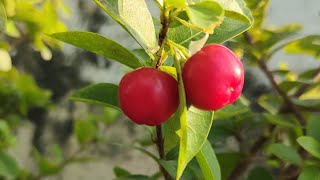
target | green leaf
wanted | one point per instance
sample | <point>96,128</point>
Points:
<point>7,138</point>
<point>310,144</point>
<point>206,15</point>
<point>208,162</point>
<point>183,35</point>
<point>286,153</point>
<point>85,131</point>
<point>289,85</point>
<point>231,27</point>
<point>230,111</point>
<point>228,161</point>
<point>310,172</point>
<point>120,172</point>
<point>46,166</point>
<point>313,125</point>
<point>9,168</point>
<point>99,45</point>
<point>281,120</point>
<point>233,10</point>
<point>198,123</point>
<point>175,3</point>
<point>105,94</point>
<point>170,166</point>
<point>259,173</point>
<point>271,36</point>
<point>311,103</point>
<point>135,18</point>
<point>134,177</point>
<point>183,121</point>
<point>143,56</point>
<point>171,128</point>
<point>3,17</point>
<point>309,45</point>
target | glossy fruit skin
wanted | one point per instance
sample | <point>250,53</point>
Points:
<point>148,96</point>
<point>213,77</point>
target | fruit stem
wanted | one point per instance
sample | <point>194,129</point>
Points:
<point>165,21</point>
<point>160,144</point>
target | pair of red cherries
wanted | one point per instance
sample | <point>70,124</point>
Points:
<point>213,78</point>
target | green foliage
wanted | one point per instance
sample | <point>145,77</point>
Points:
<point>310,172</point>
<point>18,92</point>
<point>103,94</point>
<point>286,153</point>
<point>9,168</point>
<point>208,162</point>
<point>3,17</point>
<point>307,45</point>
<point>311,145</point>
<point>93,42</point>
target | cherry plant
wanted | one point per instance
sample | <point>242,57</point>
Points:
<point>167,43</point>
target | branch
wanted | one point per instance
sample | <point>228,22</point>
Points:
<point>160,145</point>
<point>162,36</point>
<point>165,21</point>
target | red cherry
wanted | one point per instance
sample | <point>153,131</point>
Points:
<point>148,96</point>
<point>213,77</point>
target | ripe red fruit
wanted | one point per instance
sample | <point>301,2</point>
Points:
<point>213,77</point>
<point>148,96</point>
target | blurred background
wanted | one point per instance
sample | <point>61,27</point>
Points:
<point>44,135</point>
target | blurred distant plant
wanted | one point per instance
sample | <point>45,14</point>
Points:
<point>279,139</point>
<point>27,22</point>
<point>282,141</point>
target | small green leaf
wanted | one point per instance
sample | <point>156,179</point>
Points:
<point>289,85</point>
<point>175,3</point>
<point>120,172</point>
<point>309,45</point>
<point>286,153</point>
<point>311,103</point>
<point>134,177</point>
<point>170,167</point>
<point>208,162</point>
<point>233,10</point>
<point>280,120</point>
<point>205,15</point>
<point>230,111</point>
<point>170,70</point>
<point>170,133</point>
<point>231,27</point>
<point>46,166</point>
<point>85,131</point>
<point>259,173</point>
<point>105,94</point>
<point>313,125</point>
<point>272,36</point>
<point>3,17</point>
<point>310,144</point>
<point>9,168</point>
<point>310,172</point>
<point>228,161</point>
<point>99,45</point>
